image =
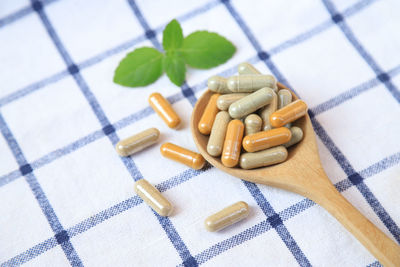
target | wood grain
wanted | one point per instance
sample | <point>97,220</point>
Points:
<point>303,173</point>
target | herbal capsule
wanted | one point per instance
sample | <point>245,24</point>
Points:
<point>137,142</point>
<point>266,139</point>
<point>232,143</point>
<point>297,135</point>
<point>192,159</point>
<point>252,124</point>
<point>287,114</point>
<point>164,109</point>
<point>266,112</point>
<point>153,198</point>
<point>218,84</point>
<point>208,117</point>
<point>218,132</point>
<point>226,217</point>
<point>263,158</point>
<point>250,83</point>
<point>251,103</point>
<point>246,68</point>
<point>224,101</point>
<point>284,98</point>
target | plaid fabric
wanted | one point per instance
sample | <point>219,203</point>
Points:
<point>66,197</point>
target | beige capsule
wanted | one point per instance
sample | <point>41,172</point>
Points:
<point>246,68</point>
<point>263,158</point>
<point>153,198</point>
<point>267,111</point>
<point>218,132</point>
<point>250,83</point>
<point>218,84</point>
<point>251,103</point>
<point>297,135</point>
<point>284,99</point>
<point>137,142</point>
<point>228,216</point>
<point>224,101</point>
<point>252,124</point>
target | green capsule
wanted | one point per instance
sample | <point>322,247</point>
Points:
<point>218,84</point>
<point>263,158</point>
<point>297,135</point>
<point>250,83</point>
<point>251,103</point>
<point>252,124</point>
<point>246,68</point>
<point>267,111</point>
<point>224,101</point>
<point>284,99</point>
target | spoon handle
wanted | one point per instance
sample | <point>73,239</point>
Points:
<point>380,245</point>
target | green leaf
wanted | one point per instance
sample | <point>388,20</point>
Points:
<point>172,36</point>
<point>204,50</point>
<point>174,66</point>
<point>141,67</point>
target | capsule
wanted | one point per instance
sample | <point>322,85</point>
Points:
<point>246,68</point>
<point>297,135</point>
<point>137,142</point>
<point>152,197</point>
<point>263,158</point>
<point>189,158</point>
<point>266,139</point>
<point>224,101</point>
<point>233,143</point>
<point>288,114</point>
<point>164,109</point>
<point>228,216</point>
<point>252,124</point>
<point>218,84</point>
<point>250,83</point>
<point>251,103</point>
<point>266,112</point>
<point>208,117</point>
<point>218,132</point>
<point>284,98</point>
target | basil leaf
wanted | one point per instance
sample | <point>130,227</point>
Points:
<point>141,67</point>
<point>204,50</point>
<point>172,36</point>
<point>174,66</point>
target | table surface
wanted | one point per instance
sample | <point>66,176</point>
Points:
<point>66,197</point>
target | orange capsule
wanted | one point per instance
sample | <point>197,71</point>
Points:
<point>233,143</point>
<point>192,159</point>
<point>289,113</point>
<point>164,109</point>
<point>266,139</point>
<point>207,119</point>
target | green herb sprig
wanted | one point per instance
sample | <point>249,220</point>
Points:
<point>200,49</point>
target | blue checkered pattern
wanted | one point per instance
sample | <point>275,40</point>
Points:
<point>40,172</point>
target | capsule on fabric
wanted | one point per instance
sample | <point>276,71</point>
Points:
<point>227,216</point>
<point>266,139</point>
<point>152,197</point>
<point>182,155</point>
<point>164,109</point>
<point>137,142</point>
<point>208,117</point>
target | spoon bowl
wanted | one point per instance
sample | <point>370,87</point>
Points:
<point>303,173</point>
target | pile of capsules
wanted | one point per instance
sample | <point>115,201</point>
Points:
<point>267,110</point>
<point>226,134</point>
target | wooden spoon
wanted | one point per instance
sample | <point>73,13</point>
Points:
<point>303,174</point>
